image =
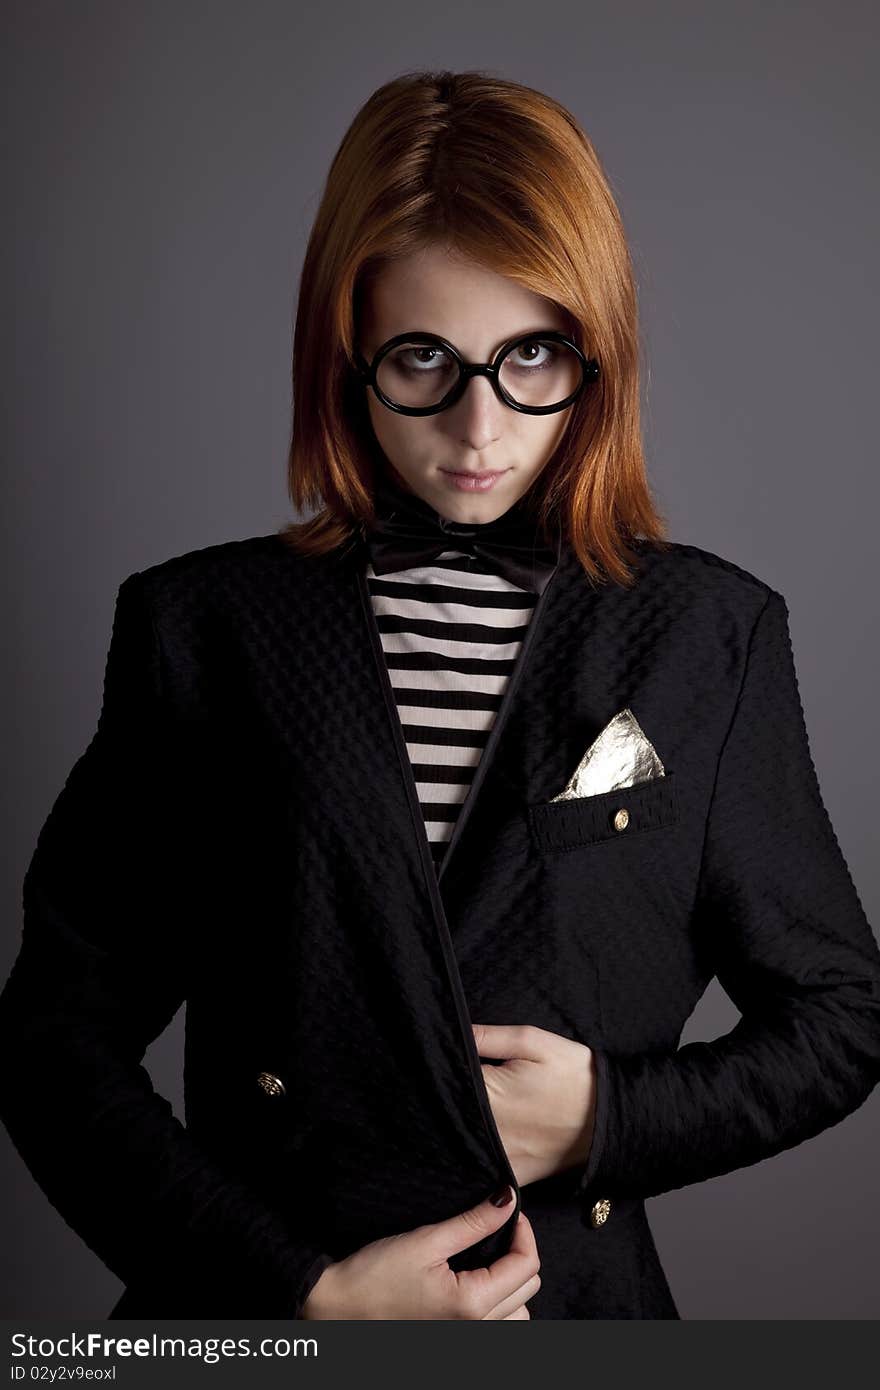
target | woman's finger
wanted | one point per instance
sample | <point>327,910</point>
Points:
<point>508,1306</point>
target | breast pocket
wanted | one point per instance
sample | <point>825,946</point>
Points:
<point>619,815</point>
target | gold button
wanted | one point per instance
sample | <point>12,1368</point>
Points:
<point>621,819</point>
<point>272,1085</point>
<point>600,1212</point>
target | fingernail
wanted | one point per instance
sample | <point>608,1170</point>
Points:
<point>502,1196</point>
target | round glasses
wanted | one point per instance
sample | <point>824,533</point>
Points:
<point>421,373</point>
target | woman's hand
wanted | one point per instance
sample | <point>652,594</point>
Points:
<point>407,1275</point>
<point>543,1097</point>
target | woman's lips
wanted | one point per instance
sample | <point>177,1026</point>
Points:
<point>474,482</point>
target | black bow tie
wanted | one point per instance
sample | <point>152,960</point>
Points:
<point>408,531</point>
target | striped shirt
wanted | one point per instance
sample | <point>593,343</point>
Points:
<point>451,632</point>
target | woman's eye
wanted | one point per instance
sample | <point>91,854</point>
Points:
<point>420,358</point>
<point>533,354</point>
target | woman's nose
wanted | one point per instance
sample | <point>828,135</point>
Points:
<point>478,414</point>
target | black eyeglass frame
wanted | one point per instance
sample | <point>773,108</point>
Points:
<point>367,372</point>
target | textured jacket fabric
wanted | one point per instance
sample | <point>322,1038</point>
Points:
<point>243,834</point>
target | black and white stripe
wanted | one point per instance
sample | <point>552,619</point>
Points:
<point>451,632</point>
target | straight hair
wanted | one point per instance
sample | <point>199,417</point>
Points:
<point>504,175</point>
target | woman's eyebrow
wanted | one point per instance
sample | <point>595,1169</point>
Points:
<point>508,338</point>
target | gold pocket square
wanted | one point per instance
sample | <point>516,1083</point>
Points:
<point>618,757</point>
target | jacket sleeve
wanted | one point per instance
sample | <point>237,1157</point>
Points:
<point>101,971</point>
<point>781,922</point>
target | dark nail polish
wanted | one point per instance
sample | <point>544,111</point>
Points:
<point>502,1196</point>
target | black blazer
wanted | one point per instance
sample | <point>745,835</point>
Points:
<point>243,833</point>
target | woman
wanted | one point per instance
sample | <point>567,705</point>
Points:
<point>441,809</point>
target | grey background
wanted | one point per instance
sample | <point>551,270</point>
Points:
<point>165,164</point>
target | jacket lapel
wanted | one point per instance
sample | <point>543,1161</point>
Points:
<point>360,782</point>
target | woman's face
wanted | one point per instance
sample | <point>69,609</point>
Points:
<point>477,310</point>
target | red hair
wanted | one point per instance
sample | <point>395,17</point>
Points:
<point>505,175</point>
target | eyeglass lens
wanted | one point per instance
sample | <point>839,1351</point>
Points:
<point>535,372</point>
